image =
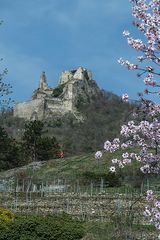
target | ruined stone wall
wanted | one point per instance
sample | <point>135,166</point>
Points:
<point>59,106</point>
<point>65,77</point>
<point>30,110</point>
<point>77,86</point>
<point>78,74</point>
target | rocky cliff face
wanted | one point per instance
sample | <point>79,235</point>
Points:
<point>75,86</point>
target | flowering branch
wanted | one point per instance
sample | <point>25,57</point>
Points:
<point>143,131</point>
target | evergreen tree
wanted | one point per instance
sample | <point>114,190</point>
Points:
<point>37,147</point>
<point>9,151</point>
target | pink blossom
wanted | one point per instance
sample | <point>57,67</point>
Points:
<point>125,97</point>
<point>98,154</point>
<point>115,161</point>
<point>157,204</point>
<point>149,68</point>
<point>107,145</point>
<point>112,169</point>
<point>126,161</point>
<point>147,213</point>
<point>126,33</point>
<point>125,155</point>
<point>144,132</point>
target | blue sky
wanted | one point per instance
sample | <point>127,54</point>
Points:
<point>57,35</point>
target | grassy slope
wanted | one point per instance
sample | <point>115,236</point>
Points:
<point>77,166</point>
<point>72,167</point>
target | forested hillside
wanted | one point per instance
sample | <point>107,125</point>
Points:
<point>36,140</point>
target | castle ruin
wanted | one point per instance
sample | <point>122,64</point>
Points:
<point>74,86</point>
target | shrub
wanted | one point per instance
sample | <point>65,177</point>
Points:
<point>113,180</point>
<point>58,91</point>
<point>110,179</point>
<point>6,216</point>
<point>42,228</point>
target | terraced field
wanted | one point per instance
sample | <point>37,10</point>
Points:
<point>79,187</point>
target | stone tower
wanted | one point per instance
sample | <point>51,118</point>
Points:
<point>43,82</point>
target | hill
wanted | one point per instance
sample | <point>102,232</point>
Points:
<point>75,118</point>
<point>84,168</point>
<point>102,118</point>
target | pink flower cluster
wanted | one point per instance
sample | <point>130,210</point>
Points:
<point>98,154</point>
<point>152,211</point>
<point>136,43</point>
<point>144,131</point>
<point>147,20</point>
<point>125,97</point>
<point>148,80</point>
<point>130,66</point>
<point>144,135</point>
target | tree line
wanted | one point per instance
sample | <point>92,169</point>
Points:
<point>39,141</point>
<point>32,147</point>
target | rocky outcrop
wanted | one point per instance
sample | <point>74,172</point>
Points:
<point>75,86</point>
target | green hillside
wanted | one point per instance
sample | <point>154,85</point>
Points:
<point>78,166</point>
<point>83,167</point>
<point>102,118</point>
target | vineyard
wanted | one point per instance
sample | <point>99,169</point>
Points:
<point>92,202</point>
<point>80,187</point>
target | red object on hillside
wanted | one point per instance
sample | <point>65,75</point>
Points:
<point>61,154</point>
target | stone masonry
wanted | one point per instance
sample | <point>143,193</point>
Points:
<point>74,86</point>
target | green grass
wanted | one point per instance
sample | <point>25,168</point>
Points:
<point>87,168</point>
<point>83,166</point>
<point>117,231</point>
<point>77,166</point>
